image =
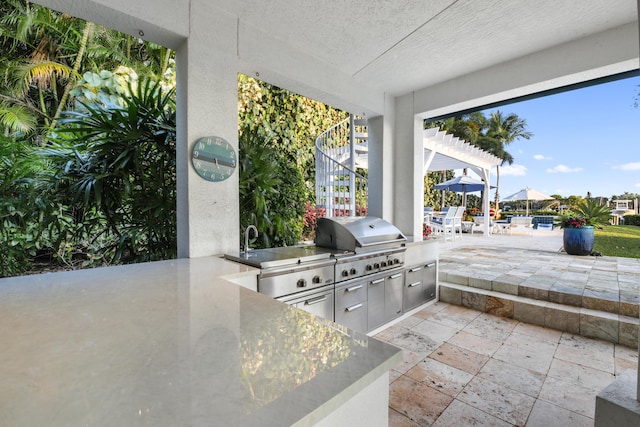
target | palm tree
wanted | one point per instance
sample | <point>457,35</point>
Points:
<point>500,132</point>
<point>44,53</point>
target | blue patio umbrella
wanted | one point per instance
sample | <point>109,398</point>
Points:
<point>462,184</point>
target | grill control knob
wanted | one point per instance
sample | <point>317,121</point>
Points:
<point>369,267</point>
<point>396,261</point>
<point>344,273</point>
<point>376,265</point>
<point>383,264</point>
<point>353,271</point>
<point>316,279</point>
<point>302,283</point>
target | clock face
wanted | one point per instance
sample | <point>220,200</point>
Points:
<point>213,158</point>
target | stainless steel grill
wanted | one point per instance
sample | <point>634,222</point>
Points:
<point>345,250</point>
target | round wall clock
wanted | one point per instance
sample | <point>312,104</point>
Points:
<point>213,158</point>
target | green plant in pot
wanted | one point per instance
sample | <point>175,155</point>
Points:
<point>579,223</point>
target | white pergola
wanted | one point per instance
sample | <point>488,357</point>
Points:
<point>443,151</point>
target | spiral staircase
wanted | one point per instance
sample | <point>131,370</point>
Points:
<point>341,165</point>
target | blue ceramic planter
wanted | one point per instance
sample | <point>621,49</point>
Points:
<point>578,241</point>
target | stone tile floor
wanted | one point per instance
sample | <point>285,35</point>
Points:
<point>462,367</point>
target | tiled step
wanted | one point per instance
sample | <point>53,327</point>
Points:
<point>612,327</point>
<point>616,297</point>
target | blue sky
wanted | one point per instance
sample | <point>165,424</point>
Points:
<point>583,140</point>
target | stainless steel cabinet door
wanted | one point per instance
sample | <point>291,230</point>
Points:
<point>320,304</point>
<point>393,296</point>
<point>376,298</point>
<point>353,316</point>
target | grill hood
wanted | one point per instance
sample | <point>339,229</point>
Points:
<point>357,234</point>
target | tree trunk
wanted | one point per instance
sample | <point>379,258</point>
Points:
<point>76,67</point>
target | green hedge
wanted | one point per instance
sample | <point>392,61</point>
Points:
<point>632,220</point>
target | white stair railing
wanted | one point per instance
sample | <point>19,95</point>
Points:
<point>340,150</point>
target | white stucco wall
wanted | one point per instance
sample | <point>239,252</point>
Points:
<point>208,212</point>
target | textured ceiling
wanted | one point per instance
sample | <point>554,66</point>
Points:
<point>400,46</point>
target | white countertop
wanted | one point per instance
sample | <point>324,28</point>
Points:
<point>171,343</point>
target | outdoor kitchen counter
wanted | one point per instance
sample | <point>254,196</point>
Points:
<point>171,343</point>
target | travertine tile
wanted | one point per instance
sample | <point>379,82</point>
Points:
<point>480,345</point>
<point>604,301</point>
<point>513,377</point>
<point>460,414</point>
<point>389,333</point>
<point>442,377</point>
<point>530,312</point>
<point>562,318</point>
<point>569,396</point>
<point>460,358</point>
<point>497,321</point>
<point>394,375</point>
<point>536,360</point>
<point>540,332</point>
<point>545,414</point>
<point>506,284</point>
<point>533,344</point>
<point>599,325</point>
<point>396,419</point>
<point>435,331</point>
<point>415,342</point>
<point>487,330</point>
<point>409,322</point>
<point>509,405</point>
<point>450,295</point>
<point>455,316</point>
<point>474,301</point>
<point>584,376</point>
<point>409,360</point>
<point>628,331</point>
<point>587,357</point>
<point>416,400</point>
<point>481,283</point>
<point>568,295</point>
<point>499,306</point>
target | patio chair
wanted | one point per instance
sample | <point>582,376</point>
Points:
<point>444,224</point>
<point>521,223</point>
<point>457,222</point>
<point>478,224</point>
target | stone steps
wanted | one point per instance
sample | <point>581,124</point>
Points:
<point>559,309</point>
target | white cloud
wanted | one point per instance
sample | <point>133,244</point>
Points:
<point>563,169</point>
<point>541,157</point>
<point>638,185</point>
<point>517,170</point>
<point>634,166</point>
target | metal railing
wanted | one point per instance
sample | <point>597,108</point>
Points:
<point>340,189</point>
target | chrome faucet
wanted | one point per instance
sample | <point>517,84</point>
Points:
<point>246,238</point>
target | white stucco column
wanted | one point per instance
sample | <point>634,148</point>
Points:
<point>207,105</point>
<point>408,182</point>
<point>380,141</point>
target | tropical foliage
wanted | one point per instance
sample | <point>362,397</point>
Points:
<point>492,134</point>
<point>585,212</point>
<point>277,130</point>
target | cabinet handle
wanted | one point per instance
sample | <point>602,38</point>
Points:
<point>353,307</point>
<point>433,264</point>
<point>315,300</point>
<point>414,284</point>
<point>395,276</point>
<point>413,270</point>
<point>376,282</point>
<point>353,288</point>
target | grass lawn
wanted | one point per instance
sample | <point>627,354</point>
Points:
<point>618,240</point>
